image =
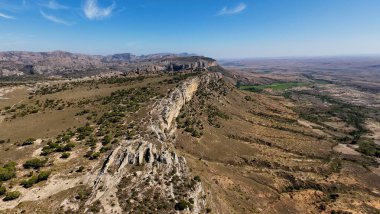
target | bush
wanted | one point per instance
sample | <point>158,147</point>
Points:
<point>369,148</point>
<point>94,155</point>
<point>3,190</point>
<point>44,175</point>
<point>8,171</point>
<point>35,163</point>
<point>106,140</point>
<point>83,194</point>
<point>104,149</point>
<point>65,155</point>
<point>197,178</point>
<point>84,131</point>
<point>28,141</point>
<point>182,205</point>
<point>80,169</point>
<point>11,196</point>
<point>29,182</point>
<point>69,147</point>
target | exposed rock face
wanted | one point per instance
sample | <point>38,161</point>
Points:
<point>160,170</point>
<point>64,63</point>
<point>192,63</point>
<point>168,109</point>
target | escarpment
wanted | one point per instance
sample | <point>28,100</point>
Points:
<point>148,167</point>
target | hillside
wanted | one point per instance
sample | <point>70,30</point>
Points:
<point>172,142</point>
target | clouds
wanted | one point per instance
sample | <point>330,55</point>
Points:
<point>2,15</point>
<point>79,11</point>
<point>230,11</point>
<point>92,10</point>
<point>54,5</point>
<point>55,19</point>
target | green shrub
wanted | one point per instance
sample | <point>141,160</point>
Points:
<point>196,133</point>
<point>84,131</point>
<point>44,175</point>
<point>28,141</point>
<point>83,112</point>
<point>197,178</point>
<point>95,155</point>
<point>9,196</point>
<point>68,147</point>
<point>369,148</point>
<point>80,169</point>
<point>29,182</point>
<point>105,149</point>
<point>35,163</point>
<point>3,190</point>
<point>83,194</point>
<point>182,205</point>
<point>106,140</point>
<point>65,155</point>
<point>8,171</point>
<point>91,142</point>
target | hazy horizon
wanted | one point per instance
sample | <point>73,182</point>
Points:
<point>222,29</point>
<point>219,59</point>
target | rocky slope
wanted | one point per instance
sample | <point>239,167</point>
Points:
<point>66,64</point>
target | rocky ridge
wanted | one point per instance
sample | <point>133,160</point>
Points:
<point>139,167</point>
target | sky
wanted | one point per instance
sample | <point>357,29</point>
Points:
<point>220,29</point>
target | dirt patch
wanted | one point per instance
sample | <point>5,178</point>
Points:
<point>344,149</point>
<point>376,170</point>
<point>52,187</point>
<point>340,125</point>
<point>7,90</point>
<point>308,124</point>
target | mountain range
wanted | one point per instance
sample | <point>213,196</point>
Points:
<point>63,63</point>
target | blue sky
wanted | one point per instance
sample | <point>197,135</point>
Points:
<point>216,28</point>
